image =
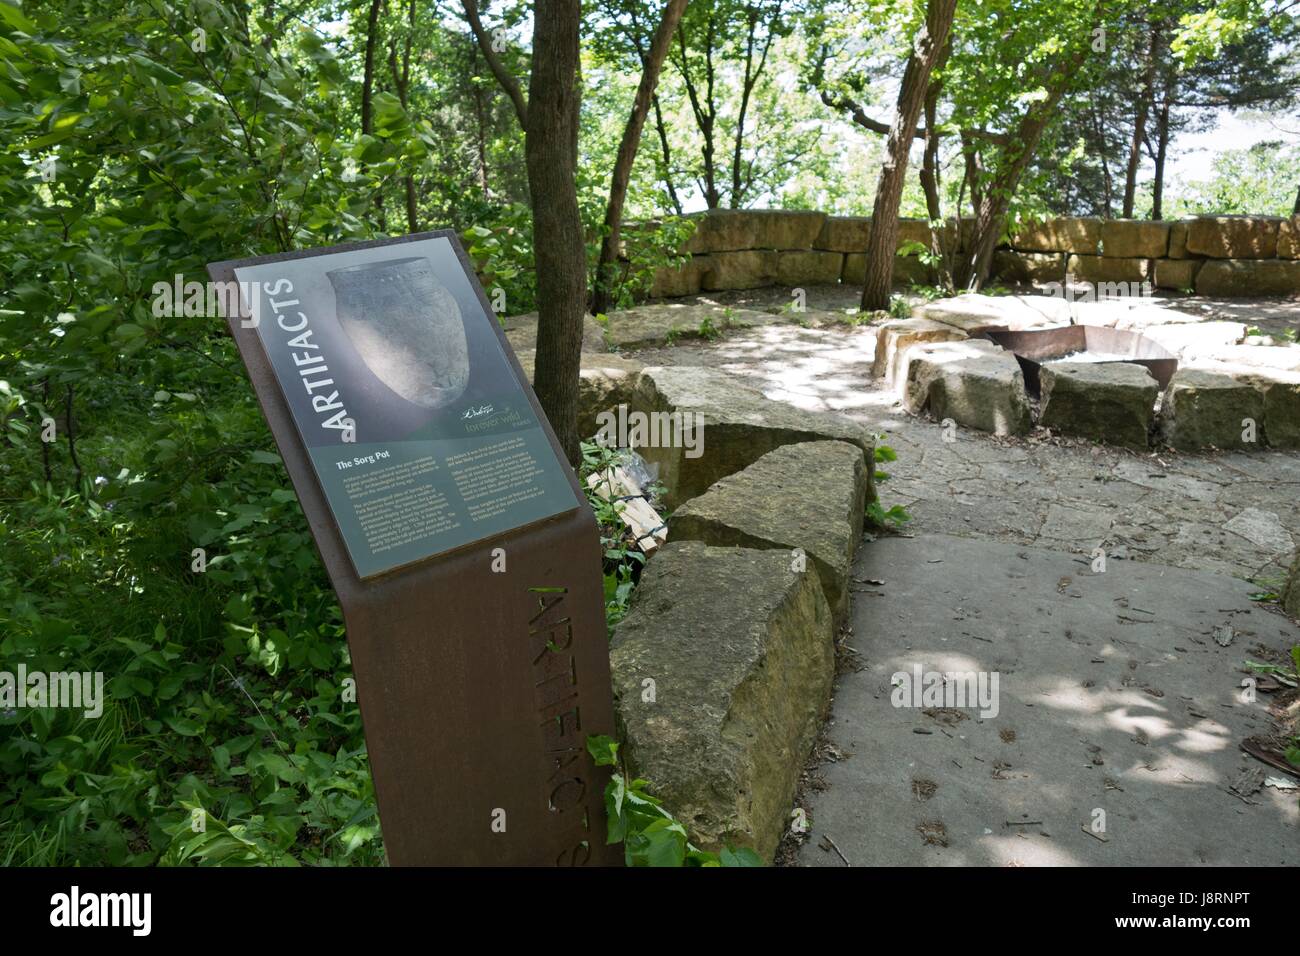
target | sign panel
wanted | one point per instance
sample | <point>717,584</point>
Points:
<point>421,437</point>
<point>457,540</point>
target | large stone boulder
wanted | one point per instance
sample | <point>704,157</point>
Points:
<point>811,496</point>
<point>1247,277</point>
<point>1178,240</point>
<point>786,228</point>
<point>973,382</point>
<point>908,270</point>
<point>1208,409</point>
<point>1059,235</point>
<point>722,673</point>
<point>1282,358</point>
<point>722,230</point>
<point>1029,266</point>
<point>739,426</point>
<point>1291,592</point>
<point>896,338</point>
<point>521,333</point>
<point>1288,238</point>
<point>1110,402</point>
<point>974,313</point>
<point>911,232</point>
<point>844,234</point>
<point>1108,269</point>
<point>1134,239</point>
<point>1279,389</point>
<point>809,267</point>
<point>1190,340</point>
<point>604,382</point>
<point>1176,273</point>
<point>1281,407</point>
<point>1233,237</point>
<point>684,279</point>
<point>649,326</point>
<point>750,269</point>
<point>732,230</point>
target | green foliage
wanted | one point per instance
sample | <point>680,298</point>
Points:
<point>622,559</point>
<point>502,250</point>
<point>226,689</point>
<point>647,248</point>
<point>1260,180</point>
<point>877,516</point>
<point>649,833</point>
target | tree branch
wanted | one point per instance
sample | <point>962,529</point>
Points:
<point>508,81</point>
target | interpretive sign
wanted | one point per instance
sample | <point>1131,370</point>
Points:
<point>456,537</point>
<point>421,437</point>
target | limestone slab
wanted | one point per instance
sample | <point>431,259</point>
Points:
<point>810,496</point>
<point>722,672</point>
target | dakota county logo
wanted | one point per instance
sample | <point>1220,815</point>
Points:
<point>75,909</point>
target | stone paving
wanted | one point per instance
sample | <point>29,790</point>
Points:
<point>1233,513</point>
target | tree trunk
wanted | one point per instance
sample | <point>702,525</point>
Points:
<point>559,254</point>
<point>1162,152</point>
<point>368,76</point>
<point>402,80</point>
<point>751,76</point>
<point>627,148</point>
<point>367,95</point>
<point>1098,131</point>
<point>668,159</point>
<point>994,197</point>
<point>927,48</point>
<point>480,126</point>
<point>704,109</point>
<point>941,244</point>
<point>1140,124</point>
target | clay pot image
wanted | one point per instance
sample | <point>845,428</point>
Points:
<point>406,326</point>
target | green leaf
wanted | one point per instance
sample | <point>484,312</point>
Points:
<point>603,750</point>
<point>11,15</point>
<point>183,726</point>
<point>740,856</point>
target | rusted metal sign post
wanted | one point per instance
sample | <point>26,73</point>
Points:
<point>456,537</point>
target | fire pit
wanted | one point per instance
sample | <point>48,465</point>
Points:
<point>1083,343</point>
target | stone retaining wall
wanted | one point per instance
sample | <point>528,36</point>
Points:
<point>1212,255</point>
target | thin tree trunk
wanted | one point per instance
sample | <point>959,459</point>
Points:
<point>626,157</point>
<point>1108,186</point>
<point>747,89</point>
<point>1162,152</point>
<point>940,244</point>
<point>72,438</point>
<point>704,118</point>
<point>927,49</point>
<point>402,80</point>
<point>995,197</point>
<point>480,139</point>
<point>668,159</point>
<point>1140,124</point>
<point>559,253</point>
<point>367,95</point>
<point>368,75</point>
